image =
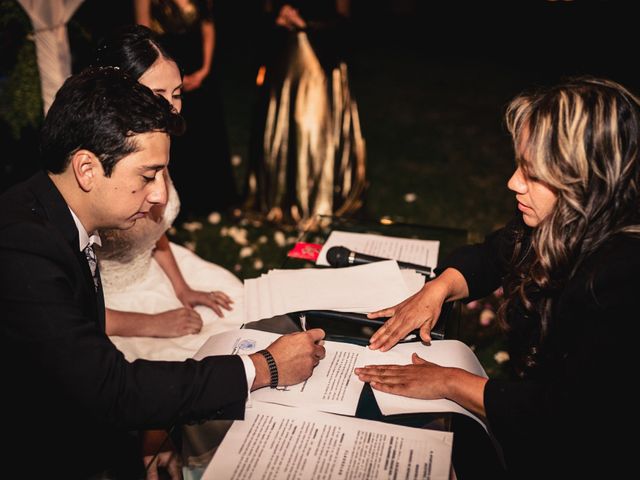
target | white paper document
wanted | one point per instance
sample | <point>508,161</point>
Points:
<point>360,289</point>
<point>333,387</point>
<point>276,442</point>
<point>411,250</point>
<point>448,353</point>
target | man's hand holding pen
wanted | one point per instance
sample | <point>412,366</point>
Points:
<point>295,356</point>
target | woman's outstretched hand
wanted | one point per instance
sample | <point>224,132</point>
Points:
<point>418,311</point>
<point>420,379</point>
<point>215,300</point>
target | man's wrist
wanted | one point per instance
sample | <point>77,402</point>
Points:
<point>262,378</point>
<point>273,368</point>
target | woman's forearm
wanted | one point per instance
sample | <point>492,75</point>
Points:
<point>128,324</point>
<point>451,285</point>
<point>467,390</point>
<point>167,261</point>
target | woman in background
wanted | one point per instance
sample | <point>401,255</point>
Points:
<point>154,288</point>
<point>204,175</point>
<point>307,152</point>
<point>569,268</point>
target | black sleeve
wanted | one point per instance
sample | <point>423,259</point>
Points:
<point>483,265</point>
<point>583,399</point>
<point>206,9</point>
<point>63,356</point>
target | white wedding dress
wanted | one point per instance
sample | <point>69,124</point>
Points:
<point>133,281</point>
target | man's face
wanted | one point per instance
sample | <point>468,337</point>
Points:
<point>137,182</point>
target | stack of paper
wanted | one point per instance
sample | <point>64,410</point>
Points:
<point>360,289</point>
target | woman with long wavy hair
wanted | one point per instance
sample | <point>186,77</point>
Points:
<point>569,266</point>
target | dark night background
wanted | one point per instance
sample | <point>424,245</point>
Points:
<point>431,79</point>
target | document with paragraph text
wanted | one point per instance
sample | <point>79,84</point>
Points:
<point>277,442</point>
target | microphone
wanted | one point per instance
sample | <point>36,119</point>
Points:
<point>343,257</point>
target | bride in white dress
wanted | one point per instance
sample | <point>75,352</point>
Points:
<point>162,300</point>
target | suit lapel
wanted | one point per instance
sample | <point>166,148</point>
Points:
<point>56,210</point>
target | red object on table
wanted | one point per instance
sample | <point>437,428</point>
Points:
<point>306,251</point>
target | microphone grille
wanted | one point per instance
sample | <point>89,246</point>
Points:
<point>338,256</point>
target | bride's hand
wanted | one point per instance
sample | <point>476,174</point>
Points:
<point>176,323</point>
<point>215,300</point>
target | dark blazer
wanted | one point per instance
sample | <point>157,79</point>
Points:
<point>567,415</point>
<point>70,395</point>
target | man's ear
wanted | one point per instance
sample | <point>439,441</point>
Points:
<point>86,168</point>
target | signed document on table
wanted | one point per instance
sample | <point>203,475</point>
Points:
<point>278,442</point>
<point>333,387</point>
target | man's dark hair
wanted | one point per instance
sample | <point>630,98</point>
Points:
<point>100,110</point>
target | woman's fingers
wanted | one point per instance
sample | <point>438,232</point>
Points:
<point>396,389</point>
<point>387,374</point>
<point>385,312</point>
<point>394,330</point>
<point>425,332</point>
<point>417,360</point>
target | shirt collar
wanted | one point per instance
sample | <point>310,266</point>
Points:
<point>84,239</point>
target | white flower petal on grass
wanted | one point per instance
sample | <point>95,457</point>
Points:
<point>192,226</point>
<point>190,246</point>
<point>239,235</point>
<point>279,238</point>
<point>258,264</point>
<point>501,357</point>
<point>245,252</point>
<point>214,218</point>
<point>410,197</point>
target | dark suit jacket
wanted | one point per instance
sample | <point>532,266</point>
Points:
<point>566,417</point>
<point>69,393</point>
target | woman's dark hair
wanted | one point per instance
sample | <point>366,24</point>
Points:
<point>133,49</point>
<point>581,139</point>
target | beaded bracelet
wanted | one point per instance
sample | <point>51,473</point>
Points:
<point>273,368</point>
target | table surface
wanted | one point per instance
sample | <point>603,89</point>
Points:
<point>200,441</point>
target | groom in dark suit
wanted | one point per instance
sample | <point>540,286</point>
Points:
<point>70,397</point>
